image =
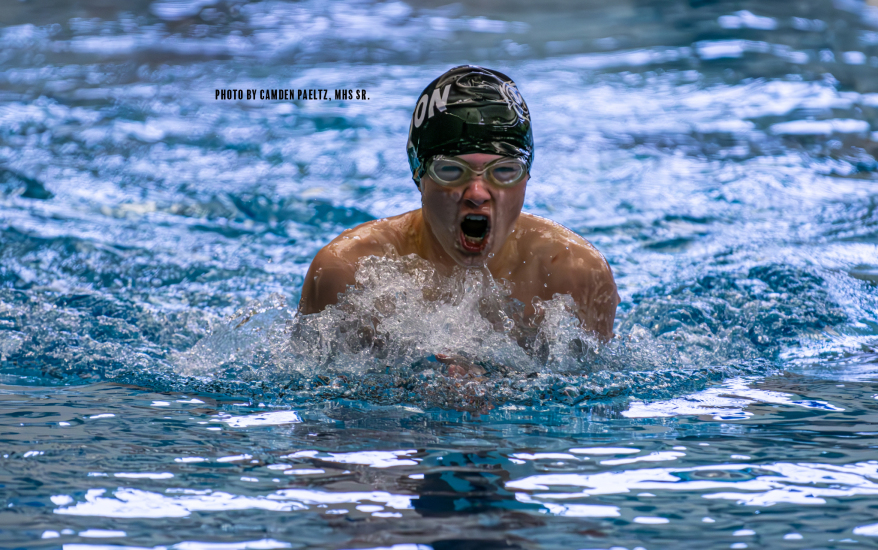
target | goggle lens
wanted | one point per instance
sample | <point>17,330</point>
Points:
<point>447,171</point>
<point>452,172</point>
<point>507,173</point>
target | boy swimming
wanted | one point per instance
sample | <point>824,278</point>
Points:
<point>470,150</point>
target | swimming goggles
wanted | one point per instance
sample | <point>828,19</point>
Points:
<point>454,172</point>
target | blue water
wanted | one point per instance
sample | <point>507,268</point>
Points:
<point>159,390</point>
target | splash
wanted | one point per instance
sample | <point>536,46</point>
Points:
<point>398,317</point>
<point>382,340</point>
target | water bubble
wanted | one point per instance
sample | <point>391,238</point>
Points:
<point>382,342</point>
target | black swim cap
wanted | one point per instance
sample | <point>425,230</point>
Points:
<point>469,109</point>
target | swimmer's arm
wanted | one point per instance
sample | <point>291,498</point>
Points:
<point>585,275</point>
<point>328,276</point>
<point>334,268</point>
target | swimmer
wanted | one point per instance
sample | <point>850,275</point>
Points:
<point>470,150</point>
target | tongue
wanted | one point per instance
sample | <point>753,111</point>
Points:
<point>473,244</point>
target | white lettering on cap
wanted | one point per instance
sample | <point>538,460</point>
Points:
<point>438,100</point>
<point>425,106</point>
<point>421,111</point>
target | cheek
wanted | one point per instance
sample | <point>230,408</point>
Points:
<point>439,211</point>
<point>440,206</point>
<point>510,203</point>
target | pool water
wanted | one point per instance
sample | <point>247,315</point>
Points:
<point>159,390</point>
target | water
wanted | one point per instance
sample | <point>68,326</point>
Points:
<point>159,389</point>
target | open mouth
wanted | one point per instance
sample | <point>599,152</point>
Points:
<point>474,231</point>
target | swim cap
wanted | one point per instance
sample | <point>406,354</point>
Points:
<point>469,109</point>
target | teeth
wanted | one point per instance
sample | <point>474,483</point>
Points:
<point>476,217</point>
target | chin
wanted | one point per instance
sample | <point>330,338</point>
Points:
<point>468,259</point>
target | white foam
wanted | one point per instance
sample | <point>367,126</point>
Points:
<point>867,530</point>
<point>605,450</point>
<point>135,503</point>
<point>660,456</point>
<point>746,19</point>
<point>546,456</point>
<point>803,483</point>
<point>854,58</point>
<point>820,127</point>
<point>264,544</point>
<point>573,510</point>
<point>235,458</point>
<point>101,533</point>
<point>725,402</point>
<point>650,520</point>
<point>262,419</point>
<point>374,459</point>
<point>175,10</point>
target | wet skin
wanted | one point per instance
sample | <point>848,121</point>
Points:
<point>539,258</point>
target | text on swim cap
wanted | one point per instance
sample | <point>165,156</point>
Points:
<point>424,108</point>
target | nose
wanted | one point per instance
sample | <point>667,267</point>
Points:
<point>476,192</point>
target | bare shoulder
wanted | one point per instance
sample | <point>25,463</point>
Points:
<point>569,264</point>
<point>334,267</point>
<point>363,240</point>
<point>560,247</point>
